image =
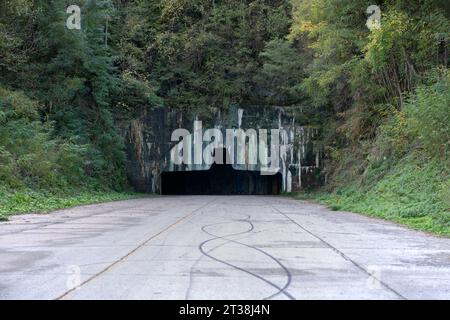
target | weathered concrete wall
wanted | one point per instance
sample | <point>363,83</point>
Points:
<point>149,144</point>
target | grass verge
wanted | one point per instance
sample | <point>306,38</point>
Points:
<point>31,201</point>
<point>412,193</point>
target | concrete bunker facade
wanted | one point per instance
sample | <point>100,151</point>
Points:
<point>151,166</point>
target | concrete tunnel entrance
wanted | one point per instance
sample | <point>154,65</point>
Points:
<point>220,179</point>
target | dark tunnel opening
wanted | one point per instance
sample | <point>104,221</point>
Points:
<point>220,179</point>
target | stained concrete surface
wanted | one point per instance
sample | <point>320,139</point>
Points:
<point>217,247</point>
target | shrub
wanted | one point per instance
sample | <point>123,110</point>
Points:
<point>424,122</point>
<point>428,112</point>
<point>29,156</point>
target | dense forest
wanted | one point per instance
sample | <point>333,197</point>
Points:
<point>381,95</point>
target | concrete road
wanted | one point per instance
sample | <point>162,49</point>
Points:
<point>218,247</point>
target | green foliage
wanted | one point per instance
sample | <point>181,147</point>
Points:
<point>428,112</point>
<point>423,123</point>
<point>206,54</point>
<point>406,176</point>
<point>380,96</point>
<point>40,201</point>
<point>28,154</point>
<point>412,192</point>
<point>281,74</point>
<point>359,73</point>
<point>59,89</point>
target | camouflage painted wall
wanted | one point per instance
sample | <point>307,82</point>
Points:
<point>149,144</point>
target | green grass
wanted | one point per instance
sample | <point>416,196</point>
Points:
<point>413,193</point>
<point>31,201</point>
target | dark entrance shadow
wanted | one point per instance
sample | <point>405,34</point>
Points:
<point>220,179</point>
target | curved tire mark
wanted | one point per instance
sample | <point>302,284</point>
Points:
<point>281,290</point>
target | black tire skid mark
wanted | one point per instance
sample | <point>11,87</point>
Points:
<point>281,290</point>
<point>212,249</point>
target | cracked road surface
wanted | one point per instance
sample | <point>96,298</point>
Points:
<point>217,247</point>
